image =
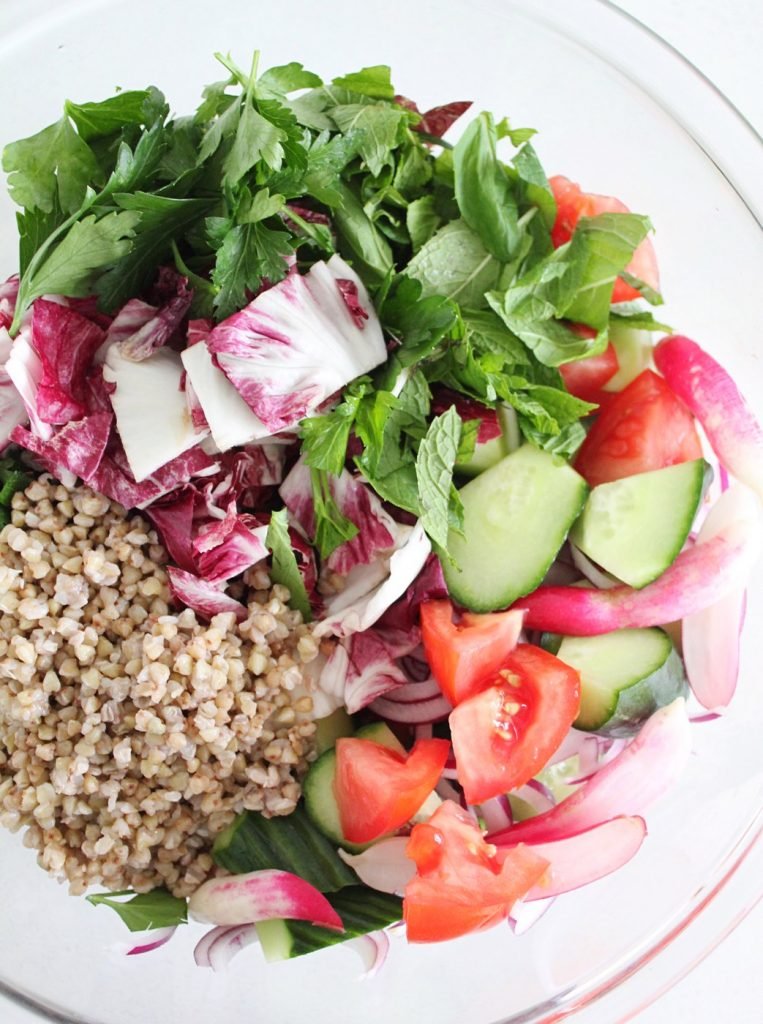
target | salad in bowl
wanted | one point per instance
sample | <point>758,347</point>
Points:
<point>370,545</point>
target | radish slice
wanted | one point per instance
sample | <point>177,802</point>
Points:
<point>217,948</point>
<point>586,857</point>
<point>261,896</point>
<point>710,637</point>
<point>700,577</point>
<point>626,786</point>
<point>154,940</point>
<point>708,390</point>
<point>383,866</point>
<point>372,949</point>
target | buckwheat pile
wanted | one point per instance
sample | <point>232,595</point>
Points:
<point>131,735</point>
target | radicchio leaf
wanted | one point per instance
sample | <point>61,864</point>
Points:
<point>65,343</point>
<point>205,598</point>
<point>76,448</point>
<point>157,331</point>
<point>12,409</point>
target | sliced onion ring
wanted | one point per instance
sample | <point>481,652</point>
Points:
<point>153,940</point>
<point>217,948</point>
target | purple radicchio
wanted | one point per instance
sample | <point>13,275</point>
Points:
<point>12,409</point>
<point>207,599</point>
<point>65,342</point>
<point>297,343</point>
<point>162,325</point>
<point>227,547</point>
<point>24,368</point>
<point>75,450</point>
<point>9,291</point>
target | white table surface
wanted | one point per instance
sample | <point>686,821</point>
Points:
<point>723,41</point>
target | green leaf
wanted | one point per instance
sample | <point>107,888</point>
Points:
<point>162,220</point>
<point>223,127</point>
<point>373,81</point>
<point>419,324</point>
<point>324,438</point>
<point>422,220</point>
<point>86,249</point>
<point>434,471</point>
<point>256,139</point>
<point>399,487</point>
<point>144,911</point>
<point>455,264</point>
<point>53,163</point>
<point>319,234</point>
<point>360,240</point>
<point>331,527</point>
<point>565,443</point>
<point>380,125</point>
<point>515,135</point>
<point>286,78</point>
<point>35,226</point>
<point>486,331</point>
<point>630,314</point>
<point>310,109</point>
<point>260,206</point>
<point>134,169</point>
<point>535,186</point>
<point>248,253</point>
<point>285,569</point>
<point>413,170</point>
<point>203,303</point>
<point>605,246</point>
<point>649,293</point>
<point>326,159</point>
<point>137,107</point>
<point>484,189</point>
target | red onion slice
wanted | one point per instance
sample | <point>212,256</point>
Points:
<point>584,858</point>
<point>261,896</point>
<point>383,866</point>
<point>417,713</point>
<point>537,796</point>
<point>600,579</point>
<point>524,915</point>
<point>413,693</point>
<point>496,813</point>
<point>708,390</point>
<point>373,950</point>
<point>153,940</point>
<point>217,948</point>
<point>637,777</point>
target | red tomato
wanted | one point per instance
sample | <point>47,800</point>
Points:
<point>572,204</point>
<point>643,427</point>
<point>378,790</point>
<point>506,734</point>
<point>464,656</point>
<point>586,377</point>
<point>460,885</point>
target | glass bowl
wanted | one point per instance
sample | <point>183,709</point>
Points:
<point>623,113</point>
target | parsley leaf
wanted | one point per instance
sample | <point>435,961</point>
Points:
<point>285,78</point>
<point>249,253</point>
<point>54,163</point>
<point>419,324</point>
<point>284,569</point>
<point>360,239</point>
<point>86,249</point>
<point>434,471</point>
<point>380,125</point>
<point>256,139</point>
<point>144,911</point>
<point>96,120</point>
<point>373,81</point>
<point>325,438</point>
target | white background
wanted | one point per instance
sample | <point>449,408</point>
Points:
<point>723,39</point>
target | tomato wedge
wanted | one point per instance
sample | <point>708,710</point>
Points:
<point>585,378</point>
<point>506,734</point>
<point>378,790</point>
<point>461,884</point>
<point>572,204</point>
<point>465,655</point>
<point>644,427</point>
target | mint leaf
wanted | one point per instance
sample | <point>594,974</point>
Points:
<point>137,107</point>
<point>373,81</point>
<point>285,569</point>
<point>325,438</point>
<point>144,911</point>
<point>484,190</point>
<point>53,163</point>
<point>486,331</point>
<point>419,324</point>
<point>604,245</point>
<point>86,249</point>
<point>455,264</point>
<point>565,443</point>
<point>249,253</point>
<point>434,471</point>
<point>380,126</point>
<point>534,184</point>
<point>331,527</point>
<point>286,78</point>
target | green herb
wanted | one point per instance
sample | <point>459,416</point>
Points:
<point>374,81</point>
<point>331,527</point>
<point>285,569</point>
<point>455,264</point>
<point>434,471</point>
<point>144,911</point>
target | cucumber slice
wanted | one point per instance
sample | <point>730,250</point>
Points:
<point>329,729</point>
<point>634,355</point>
<point>483,457</point>
<point>291,843</point>
<point>516,516</point>
<point>635,527</point>
<point>625,676</point>
<point>318,786</point>
<point>362,910</point>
